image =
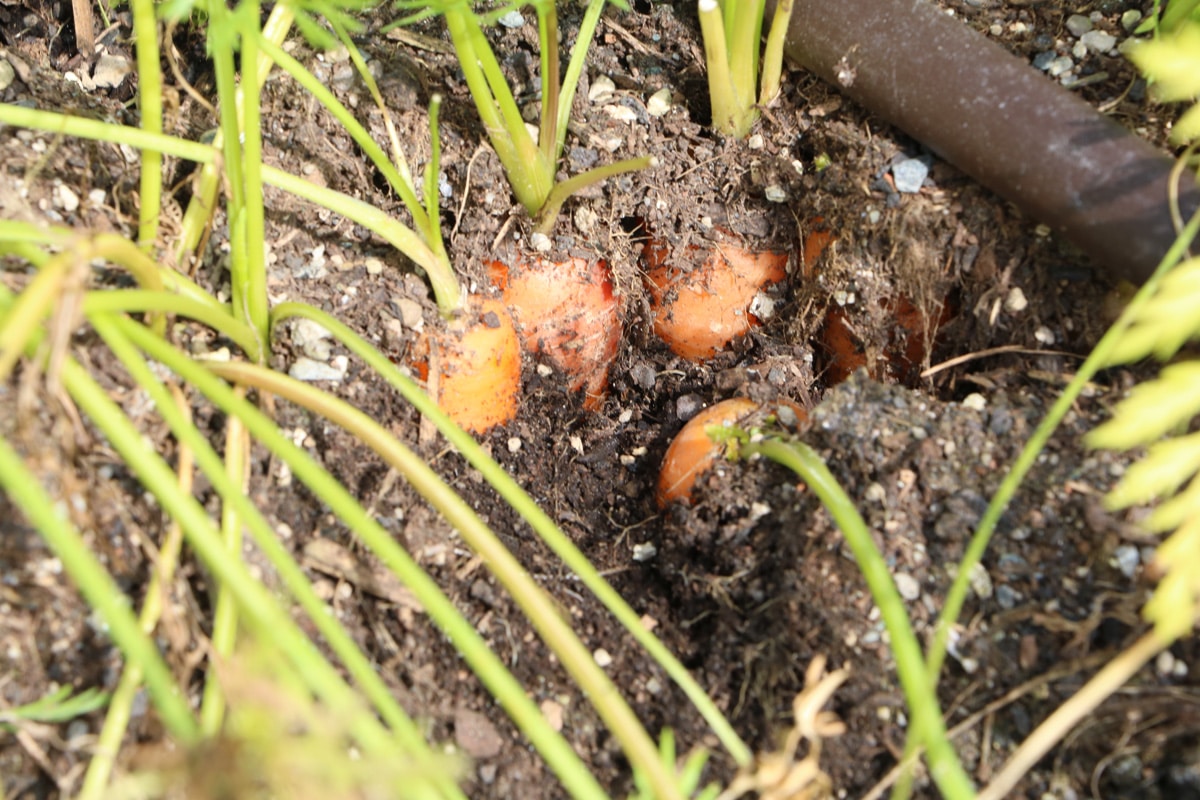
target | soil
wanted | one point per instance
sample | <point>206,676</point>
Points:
<point>753,580</point>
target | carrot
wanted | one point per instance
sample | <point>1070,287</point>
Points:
<point>898,358</point>
<point>692,452</point>
<point>815,242</point>
<point>568,312</point>
<point>477,357</point>
<point>698,311</point>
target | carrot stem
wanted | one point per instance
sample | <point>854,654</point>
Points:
<point>529,173</point>
<point>561,191</point>
<point>548,39</point>
<point>772,62</point>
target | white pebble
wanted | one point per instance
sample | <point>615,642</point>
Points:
<point>659,103</point>
<point>1016,301</point>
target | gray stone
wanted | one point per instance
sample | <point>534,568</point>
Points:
<point>909,174</point>
<point>1098,41</point>
<point>1078,24</point>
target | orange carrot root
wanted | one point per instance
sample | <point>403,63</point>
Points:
<point>692,452</point>
<point>478,358</point>
<point>698,312</point>
<point>567,312</point>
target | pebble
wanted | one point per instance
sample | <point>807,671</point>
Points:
<point>601,89</point>
<point>312,338</point>
<point>307,369</point>
<point>975,401</point>
<point>110,71</point>
<point>65,198</point>
<point>312,268</point>
<point>602,657</point>
<point>644,551</point>
<point>907,585</point>
<point>1098,41</point>
<point>643,375</point>
<point>1043,59</point>
<point>659,103</point>
<point>1126,558</point>
<point>1007,597</point>
<point>476,735</point>
<point>1060,65</point>
<point>1130,19</point>
<point>687,406</point>
<point>512,19</point>
<point>7,74</point>
<point>410,312</point>
<point>909,174</point>
<point>1015,302</point>
<point>1078,24</point>
<point>980,581</point>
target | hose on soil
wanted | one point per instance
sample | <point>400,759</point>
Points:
<point>1002,122</point>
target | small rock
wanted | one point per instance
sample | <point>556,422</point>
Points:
<point>755,142</point>
<point>762,306</point>
<point>659,103</point>
<point>1098,41</point>
<point>1015,302</point>
<point>1043,59</point>
<point>601,90</point>
<point>410,312</point>
<point>514,444</point>
<point>585,219</point>
<point>621,113</point>
<point>687,406</point>
<point>512,19</point>
<point>975,401</point>
<point>1078,25</point>
<point>553,712</point>
<point>1126,558</point>
<point>644,552</point>
<point>476,735</point>
<point>775,193</point>
<point>603,659</point>
<point>7,74</point>
<point>313,268</point>
<point>1007,597</point>
<point>981,581</point>
<point>110,71</point>
<point>343,76</point>
<point>907,585</point>
<point>909,174</point>
<point>1129,20</point>
<point>540,242</point>
<point>312,339</point>
<point>66,199</point>
<point>307,369</point>
<point>1044,335</point>
<point>1060,65</point>
<point>643,375</point>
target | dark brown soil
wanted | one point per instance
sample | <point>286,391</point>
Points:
<point>751,582</point>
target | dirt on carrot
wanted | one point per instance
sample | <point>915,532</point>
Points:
<point>567,312</point>
<point>704,298</point>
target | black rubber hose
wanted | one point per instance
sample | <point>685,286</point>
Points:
<point>1000,121</point>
